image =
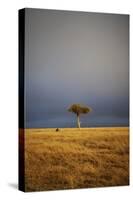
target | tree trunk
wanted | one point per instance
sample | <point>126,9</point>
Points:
<point>78,121</point>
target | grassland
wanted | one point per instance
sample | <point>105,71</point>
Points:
<point>72,158</point>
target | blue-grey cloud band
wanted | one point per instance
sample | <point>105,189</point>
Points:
<point>76,57</point>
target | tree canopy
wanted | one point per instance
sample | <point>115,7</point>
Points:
<point>79,109</point>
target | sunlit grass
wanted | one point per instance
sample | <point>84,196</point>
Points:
<point>72,158</point>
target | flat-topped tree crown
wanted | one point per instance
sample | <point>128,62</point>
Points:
<point>79,109</point>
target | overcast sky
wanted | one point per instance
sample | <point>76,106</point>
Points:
<point>76,57</point>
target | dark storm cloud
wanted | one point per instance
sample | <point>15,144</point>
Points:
<point>76,57</point>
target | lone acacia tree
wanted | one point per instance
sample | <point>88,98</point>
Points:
<point>79,109</point>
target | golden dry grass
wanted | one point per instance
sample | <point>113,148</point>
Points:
<point>72,158</point>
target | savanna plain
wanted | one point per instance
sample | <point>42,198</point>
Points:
<point>76,158</point>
